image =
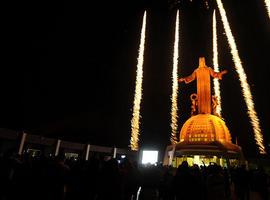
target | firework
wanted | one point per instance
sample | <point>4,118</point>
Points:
<point>243,80</point>
<point>174,107</point>
<point>135,121</point>
<point>215,62</point>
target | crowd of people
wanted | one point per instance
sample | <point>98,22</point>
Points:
<point>58,178</point>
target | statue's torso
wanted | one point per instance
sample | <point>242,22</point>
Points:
<point>203,89</point>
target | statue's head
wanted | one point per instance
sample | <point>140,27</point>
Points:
<point>201,62</point>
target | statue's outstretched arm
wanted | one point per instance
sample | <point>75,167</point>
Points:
<point>188,79</point>
<point>217,74</point>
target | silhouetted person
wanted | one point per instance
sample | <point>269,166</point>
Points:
<point>260,183</point>
<point>166,185</point>
<point>57,173</point>
<point>215,183</point>
<point>110,181</point>
<point>183,183</point>
<point>241,181</point>
<point>131,179</point>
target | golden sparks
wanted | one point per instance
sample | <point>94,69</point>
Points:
<point>216,67</point>
<point>267,5</point>
<point>135,121</point>
<point>243,80</point>
<point>174,97</point>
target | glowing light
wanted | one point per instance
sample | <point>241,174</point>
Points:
<point>174,107</point>
<point>267,5</point>
<point>149,157</point>
<point>215,62</point>
<point>243,80</point>
<point>135,121</point>
<point>196,160</point>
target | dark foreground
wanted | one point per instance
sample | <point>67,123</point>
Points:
<point>43,178</point>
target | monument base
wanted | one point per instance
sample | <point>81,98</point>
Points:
<point>223,154</point>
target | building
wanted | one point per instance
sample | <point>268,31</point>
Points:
<point>204,137</point>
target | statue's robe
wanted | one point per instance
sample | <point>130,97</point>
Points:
<point>202,74</point>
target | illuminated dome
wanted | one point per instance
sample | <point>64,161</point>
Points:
<point>206,134</point>
<point>205,128</point>
<point>204,139</point>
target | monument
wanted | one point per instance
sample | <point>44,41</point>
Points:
<point>204,137</point>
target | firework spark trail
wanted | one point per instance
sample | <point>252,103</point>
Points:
<point>215,62</point>
<point>135,121</point>
<point>243,80</point>
<point>174,108</point>
<point>267,5</point>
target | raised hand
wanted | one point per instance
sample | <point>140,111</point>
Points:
<point>181,79</point>
<point>221,74</point>
<point>224,72</point>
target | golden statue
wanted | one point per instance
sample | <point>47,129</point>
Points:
<point>202,74</point>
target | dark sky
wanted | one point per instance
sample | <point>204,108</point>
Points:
<point>68,68</point>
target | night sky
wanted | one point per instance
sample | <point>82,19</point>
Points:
<point>68,68</point>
